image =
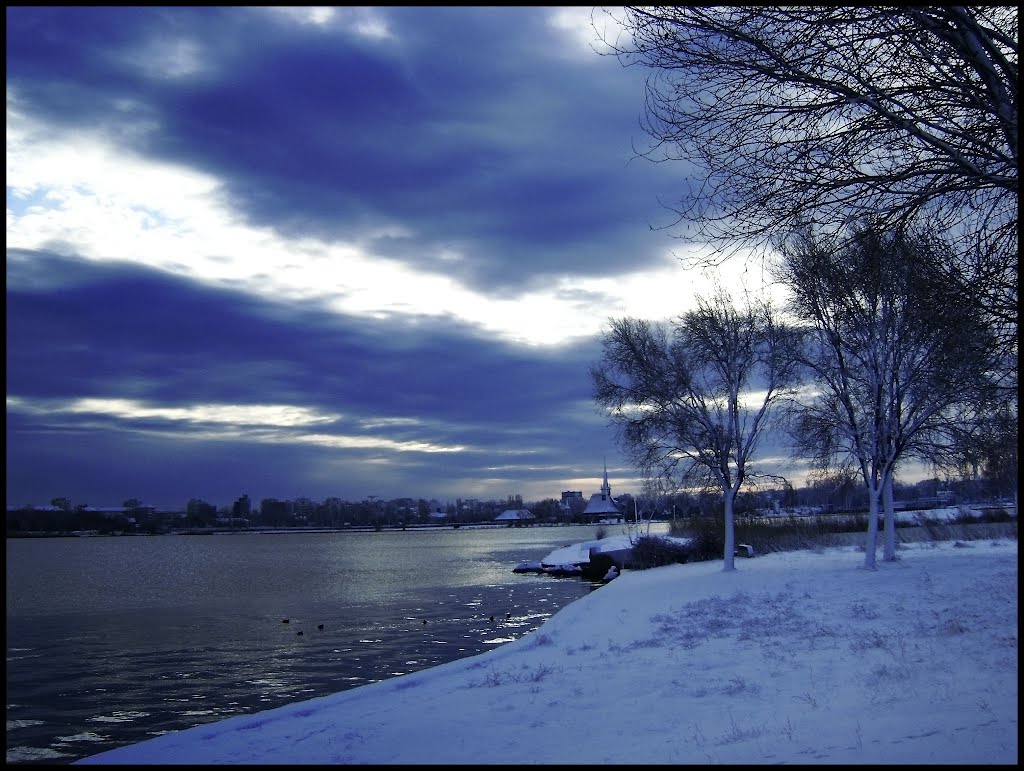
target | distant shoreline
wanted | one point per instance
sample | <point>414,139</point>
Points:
<point>292,530</point>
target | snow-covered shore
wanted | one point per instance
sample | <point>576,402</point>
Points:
<point>795,657</point>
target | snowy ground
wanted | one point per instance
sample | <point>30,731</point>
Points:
<point>794,657</point>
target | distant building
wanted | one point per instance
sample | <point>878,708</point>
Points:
<point>601,505</point>
<point>242,507</point>
<point>515,517</point>
<point>572,501</point>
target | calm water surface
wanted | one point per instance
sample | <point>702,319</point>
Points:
<point>111,641</point>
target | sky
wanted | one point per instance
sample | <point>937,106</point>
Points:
<point>314,252</point>
<point>797,657</point>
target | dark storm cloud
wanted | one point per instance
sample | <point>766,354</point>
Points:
<point>105,467</point>
<point>124,332</point>
<point>477,142</point>
<point>521,170</point>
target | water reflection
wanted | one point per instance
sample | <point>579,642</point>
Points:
<point>145,635</point>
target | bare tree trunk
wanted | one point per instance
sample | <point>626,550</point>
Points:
<point>730,531</point>
<point>889,542</point>
<point>872,541</point>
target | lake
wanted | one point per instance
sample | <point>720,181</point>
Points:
<point>114,640</point>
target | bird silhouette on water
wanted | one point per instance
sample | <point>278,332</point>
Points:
<point>320,627</point>
<point>285,620</point>
<point>299,632</point>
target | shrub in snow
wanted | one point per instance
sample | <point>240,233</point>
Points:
<point>707,539</point>
<point>651,551</point>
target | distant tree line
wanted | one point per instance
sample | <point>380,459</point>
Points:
<point>332,512</point>
<point>835,493</point>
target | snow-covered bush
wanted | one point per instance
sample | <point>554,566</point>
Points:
<point>651,551</point>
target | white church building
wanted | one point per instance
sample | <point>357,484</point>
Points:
<point>601,505</point>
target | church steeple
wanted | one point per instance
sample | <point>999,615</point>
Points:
<point>602,505</point>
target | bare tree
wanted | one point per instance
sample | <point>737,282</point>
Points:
<point>821,116</point>
<point>815,114</point>
<point>986,446</point>
<point>683,398</point>
<point>897,353</point>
